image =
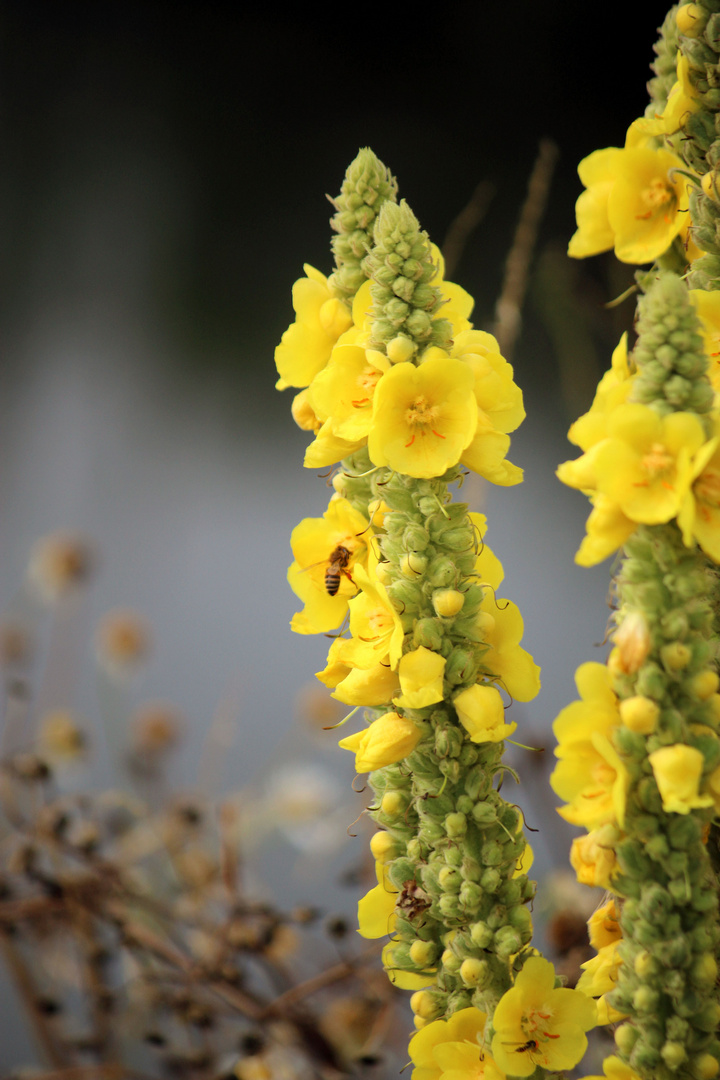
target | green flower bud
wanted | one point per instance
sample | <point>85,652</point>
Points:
<point>520,919</point>
<point>708,1018</point>
<point>413,565</point>
<point>461,667</point>
<point>644,1058</point>
<point>449,906</point>
<point>646,1000</point>
<point>423,953</point>
<point>455,825</point>
<point>400,871</point>
<point>508,941</point>
<point>454,857</point>
<point>481,935</point>
<point>441,572</point>
<point>415,538</point>
<point>449,879</point>
<point>428,633</point>
<point>471,895</point>
<point>491,880</point>
<point>475,972</point>
<point>704,970</point>
<point>704,1067</point>
<point>625,1038</point>
<point>484,814</point>
<point>447,602</point>
<point>675,656</point>
<point>450,961</point>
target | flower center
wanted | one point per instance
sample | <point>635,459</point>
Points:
<point>366,382</point>
<point>655,196</point>
<point>657,462</point>
<point>707,489</point>
<point>421,415</point>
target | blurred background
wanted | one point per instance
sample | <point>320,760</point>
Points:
<point>163,181</point>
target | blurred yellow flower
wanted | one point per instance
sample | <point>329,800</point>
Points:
<point>677,770</point>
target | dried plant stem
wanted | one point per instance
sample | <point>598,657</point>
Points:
<point>28,993</point>
<point>509,306</point>
<point>463,226</point>
<point>340,971</point>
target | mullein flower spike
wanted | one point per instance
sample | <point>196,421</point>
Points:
<point>639,754</point>
<point>400,390</point>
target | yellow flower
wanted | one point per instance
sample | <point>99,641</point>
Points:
<point>615,1069</point>
<point>495,390</point>
<point>607,529</point>
<point>320,319</point>
<point>604,926</point>
<point>481,712</point>
<point>592,779</point>
<point>538,1025</point>
<point>376,910</point>
<point>319,546</point>
<point>634,203</point>
<point>592,857</point>
<point>677,770</point>
<point>682,101</point>
<point>501,626</point>
<point>377,633</point>
<point>707,306</point>
<point>344,390</point>
<point>421,678</point>
<point>388,739</point>
<point>487,565</point>
<point>644,464</point>
<point>368,686</point>
<point>699,515</point>
<point>423,417</point>
<point>327,448</point>
<point>613,390</point>
<point>453,1049</point>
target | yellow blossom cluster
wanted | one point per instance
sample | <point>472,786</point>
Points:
<point>417,413</point>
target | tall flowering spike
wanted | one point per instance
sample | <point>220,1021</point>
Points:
<point>409,394</point>
<point>368,185</point>
<point>639,756</point>
<point>405,302</point>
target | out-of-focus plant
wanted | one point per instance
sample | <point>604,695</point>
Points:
<point>639,753</point>
<point>127,923</point>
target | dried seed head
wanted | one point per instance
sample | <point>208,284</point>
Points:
<point>16,644</point>
<point>60,737</point>
<point>58,564</point>
<point>155,728</point>
<point>122,642</point>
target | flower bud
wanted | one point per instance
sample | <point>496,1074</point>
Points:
<point>383,846</point>
<point>428,634</point>
<point>392,803</point>
<point>449,906</point>
<point>625,1038</point>
<point>704,971</point>
<point>491,880</point>
<point>450,961</point>
<point>508,941</point>
<point>675,656</point>
<point>471,895</point>
<point>640,714</point>
<point>687,19</point>
<point>646,1000</point>
<point>413,565</point>
<point>474,972</point>
<point>704,1067</point>
<point>449,879</point>
<point>424,1004</point>
<point>481,935</point>
<point>447,602</point>
<point>704,684</point>
<point>442,571</point>
<point>423,953</point>
<point>632,642</point>
<point>456,825</point>
<point>400,349</point>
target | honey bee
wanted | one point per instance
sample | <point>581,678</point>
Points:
<point>337,566</point>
